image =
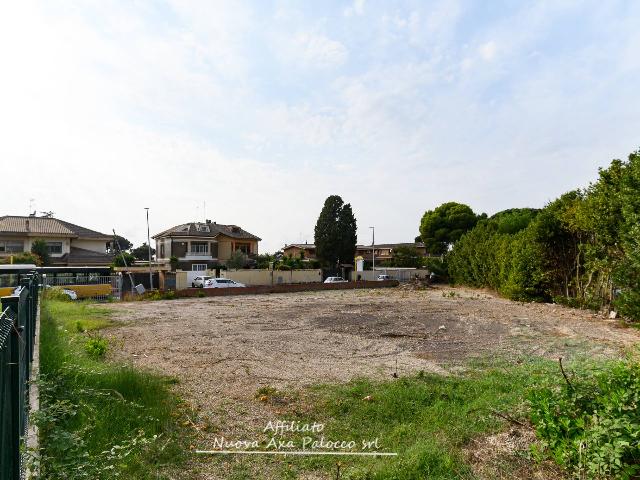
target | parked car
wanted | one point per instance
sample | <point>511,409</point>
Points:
<point>222,283</point>
<point>383,277</point>
<point>335,280</point>
<point>199,281</point>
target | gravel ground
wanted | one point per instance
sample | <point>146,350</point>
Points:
<point>222,349</point>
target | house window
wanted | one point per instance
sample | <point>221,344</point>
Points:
<point>244,248</point>
<point>11,247</point>
<point>198,267</point>
<point>202,228</point>
<point>54,248</point>
<point>162,250</point>
<point>199,247</point>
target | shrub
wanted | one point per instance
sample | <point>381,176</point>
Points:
<point>26,258</point>
<point>39,248</point>
<point>96,347</point>
<point>55,293</point>
<point>591,423</point>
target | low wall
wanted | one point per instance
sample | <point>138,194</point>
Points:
<point>400,274</point>
<point>273,277</point>
<point>284,288</point>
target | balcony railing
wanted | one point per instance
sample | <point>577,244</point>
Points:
<point>199,254</point>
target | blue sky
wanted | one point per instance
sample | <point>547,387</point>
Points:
<point>262,109</point>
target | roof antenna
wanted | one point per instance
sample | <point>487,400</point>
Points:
<point>31,202</point>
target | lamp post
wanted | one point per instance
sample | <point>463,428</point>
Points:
<point>149,249</point>
<point>373,251</point>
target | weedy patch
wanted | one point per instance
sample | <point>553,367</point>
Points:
<point>98,420</point>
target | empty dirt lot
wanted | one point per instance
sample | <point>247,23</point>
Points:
<point>222,349</point>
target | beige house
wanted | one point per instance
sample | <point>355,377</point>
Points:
<point>201,246</point>
<point>67,244</point>
<point>296,249</point>
<point>384,251</point>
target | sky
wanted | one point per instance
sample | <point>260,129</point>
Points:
<point>253,112</point>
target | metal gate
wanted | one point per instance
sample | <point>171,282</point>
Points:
<point>96,287</point>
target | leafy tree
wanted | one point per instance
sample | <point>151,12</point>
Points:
<point>407,256</point>
<point>237,260</point>
<point>582,249</point>
<point>119,262</point>
<point>125,245</point>
<point>442,227</point>
<point>514,219</point>
<point>335,232</point>
<point>39,248</point>
<point>142,252</point>
<point>264,259</point>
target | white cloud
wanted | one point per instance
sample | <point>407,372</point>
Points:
<point>488,50</point>
<point>312,50</point>
<point>106,111</point>
<point>356,8</point>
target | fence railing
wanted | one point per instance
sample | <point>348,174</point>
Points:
<point>17,343</point>
<point>96,287</point>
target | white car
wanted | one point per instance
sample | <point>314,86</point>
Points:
<point>222,283</point>
<point>199,281</point>
<point>383,277</point>
<point>335,280</point>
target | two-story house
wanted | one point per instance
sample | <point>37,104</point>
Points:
<point>67,244</point>
<point>384,251</point>
<point>295,250</point>
<point>202,246</point>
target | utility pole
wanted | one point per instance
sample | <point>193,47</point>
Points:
<point>149,247</point>
<point>373,251</point>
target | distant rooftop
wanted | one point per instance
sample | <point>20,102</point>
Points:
<point>206,229</point>
<point>300,245</point>
<point>34,226</point>
<point>394,245</point>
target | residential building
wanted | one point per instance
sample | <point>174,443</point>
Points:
<point>308,250</point>
<point>67,244</point>
<point>384,251</point>
<point>200,246</point>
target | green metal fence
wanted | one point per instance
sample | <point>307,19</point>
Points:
<point>17,343</point>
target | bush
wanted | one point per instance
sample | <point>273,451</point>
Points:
<point>55,293</point>
<point>591,423</point>
<point>26,258</point>
<point>96,347</point>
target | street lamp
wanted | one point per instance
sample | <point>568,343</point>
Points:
<point>373,251</point>
<point>149,248</point>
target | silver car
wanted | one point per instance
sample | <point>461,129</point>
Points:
<point>199,281</point>
<point>335,280</point>
<point>222,283</point>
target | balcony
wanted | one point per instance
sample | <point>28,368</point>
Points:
<point>198,255</point>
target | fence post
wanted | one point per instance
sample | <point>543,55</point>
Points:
<point>14,382</point>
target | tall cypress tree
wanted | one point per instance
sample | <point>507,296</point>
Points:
<point>326,231</point>
<point>347,230</point>
<point>335,232</point>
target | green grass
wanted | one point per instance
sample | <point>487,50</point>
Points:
<point>98,419</point>
<point>427,419</point>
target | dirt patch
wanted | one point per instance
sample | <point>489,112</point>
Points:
<point>506,455</point>
<point>222,349</point>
